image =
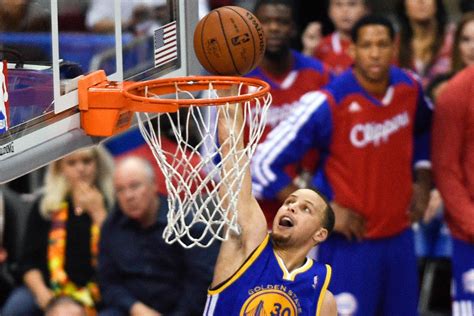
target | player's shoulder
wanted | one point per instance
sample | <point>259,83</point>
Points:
<point>455,90</point>
<point>342,86</point>
<point>464,77</point>
<point>322,270</point>
<point>404,76</point>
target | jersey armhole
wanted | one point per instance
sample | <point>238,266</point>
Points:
<point>323,289</point>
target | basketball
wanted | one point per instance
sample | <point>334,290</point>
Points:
<point>229,41</point>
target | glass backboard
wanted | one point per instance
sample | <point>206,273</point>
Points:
<point>47,46</point>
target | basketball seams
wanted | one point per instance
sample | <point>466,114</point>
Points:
<point>249,27</point>
<point>202,45</point>
<point>227,43</point>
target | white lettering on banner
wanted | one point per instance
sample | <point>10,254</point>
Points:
<point>362,135</point>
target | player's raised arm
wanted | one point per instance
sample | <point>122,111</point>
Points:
<point>251,221</point>
<point>231,137</point>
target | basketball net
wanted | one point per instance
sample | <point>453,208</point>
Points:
<point>198,214</point>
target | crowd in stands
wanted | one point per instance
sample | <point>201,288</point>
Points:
<point>89,240</point>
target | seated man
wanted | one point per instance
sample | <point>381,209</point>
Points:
<point>139,273</point>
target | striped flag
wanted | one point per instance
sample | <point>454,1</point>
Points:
<point>166,44</point>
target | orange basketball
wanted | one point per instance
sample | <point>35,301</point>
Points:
<point>229,41</point>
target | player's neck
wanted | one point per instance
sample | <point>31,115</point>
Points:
<point>293,258</point>
<point>375,88</point>
<point>277,64</point>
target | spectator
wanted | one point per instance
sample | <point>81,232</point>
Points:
<point>453,165</point>
<point>365,124</point>
<point>13,212</point>
<point>140,274</point>
<point>425,38</point>
<point>61,242</point>
<point>463,47</point>
<point>333,49</point>
<point>23,16</point>
<point>289,74</point>
<point>64,306</point>
<point>138,16</point>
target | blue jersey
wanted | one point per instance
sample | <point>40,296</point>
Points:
<point>263,286</point>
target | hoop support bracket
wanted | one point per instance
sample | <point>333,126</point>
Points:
<point>102,105</point>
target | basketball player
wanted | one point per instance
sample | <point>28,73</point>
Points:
<point>289,73</point>
<point>365,124</point>
<point>261,274</point>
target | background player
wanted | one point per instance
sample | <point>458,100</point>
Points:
<point>257,273</point>
<point>364,124</point>
<point>289,73</point>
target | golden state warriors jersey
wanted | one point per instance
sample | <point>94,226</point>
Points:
<point>263,286</point>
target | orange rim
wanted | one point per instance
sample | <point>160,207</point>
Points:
<point>163,86</point>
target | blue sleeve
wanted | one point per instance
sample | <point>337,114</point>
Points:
<point>422,130</point>
<point>111,289</point>
<point>309,126</point>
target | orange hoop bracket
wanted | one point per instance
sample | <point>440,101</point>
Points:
<point>107,106</point>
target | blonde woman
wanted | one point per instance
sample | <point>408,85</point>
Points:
<point>61,242</point>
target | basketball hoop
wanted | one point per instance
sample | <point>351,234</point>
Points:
<point>187,106</point>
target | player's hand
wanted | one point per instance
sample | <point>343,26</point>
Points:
<point>311,38</point>
<point>348,222</point>
<point>87,198</point>
<point>140,309</point>
<point>230,118</point>
<point>434,206</point>
<point>419,203</point>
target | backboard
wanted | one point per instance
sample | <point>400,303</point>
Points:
<point>47,48</point>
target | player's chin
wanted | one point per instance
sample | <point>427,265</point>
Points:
<point>280,237</point>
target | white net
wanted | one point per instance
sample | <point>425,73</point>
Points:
<point>198,214</point>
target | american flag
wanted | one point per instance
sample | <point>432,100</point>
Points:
<point>166,44</point>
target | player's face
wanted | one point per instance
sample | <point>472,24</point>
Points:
<point>345,13</point>
<point>299,218</point>
<point>136,192</point>
<point>373,52</point>
<point>420,10</point>
<point>466,44</point>
<point>80,166</point>
<point>277,23</point>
